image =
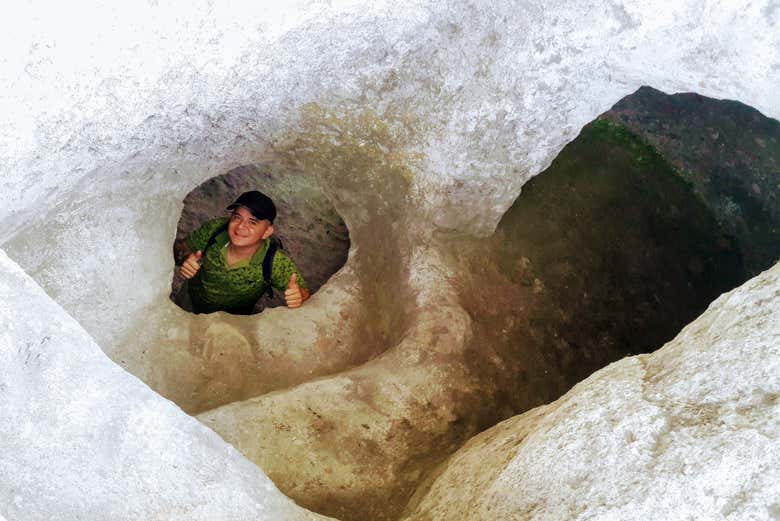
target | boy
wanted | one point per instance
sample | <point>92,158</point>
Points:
<point>225,272</point>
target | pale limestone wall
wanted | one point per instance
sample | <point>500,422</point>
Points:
<point>108,128</point>
<point>83,439</point>
<point>435,114</point>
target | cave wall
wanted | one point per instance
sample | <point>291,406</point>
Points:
<point>83,439</point>
<point>485,95</point>
<point>728,151</point>
<point>414,118</point>
<point>689,431</point>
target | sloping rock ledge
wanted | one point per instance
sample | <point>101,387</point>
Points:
<point>687,432</point>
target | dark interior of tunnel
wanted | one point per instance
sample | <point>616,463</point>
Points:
<point>307,226</point>
<point>657,207</point>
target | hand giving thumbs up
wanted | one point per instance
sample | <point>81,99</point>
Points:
<point>292,295</point>
<point>191,265</point>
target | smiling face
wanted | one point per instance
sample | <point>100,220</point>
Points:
<point>247,231</point>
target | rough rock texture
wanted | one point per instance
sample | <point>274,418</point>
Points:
<point>598,258</point>
<point>83,439</point>
<point>688,432</point>
<point>415,118</point>
<point>607,253</point>
<point>728,151</point>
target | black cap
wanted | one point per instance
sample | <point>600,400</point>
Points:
<point>261,206</point>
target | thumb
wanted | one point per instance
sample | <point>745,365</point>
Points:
<point>198,254</point>
<point>293,281</point>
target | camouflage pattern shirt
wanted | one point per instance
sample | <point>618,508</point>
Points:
<point>235,288</point>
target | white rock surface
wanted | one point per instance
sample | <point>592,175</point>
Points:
<point>111,112</point>
<point>691,431</point>
<point>83,439</point>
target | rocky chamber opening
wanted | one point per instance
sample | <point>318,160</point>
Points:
<point>626,238</point>
<point>309,228</point>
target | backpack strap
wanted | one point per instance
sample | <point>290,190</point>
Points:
<point>268,263</point>
<point>213,237</point>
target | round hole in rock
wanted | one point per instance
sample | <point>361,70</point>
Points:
<point>307,225</point>
<point>628,236</point>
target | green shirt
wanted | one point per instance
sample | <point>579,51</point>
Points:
<point>236,288</point>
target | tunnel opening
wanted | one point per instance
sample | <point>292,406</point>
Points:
<point>307,228</point>
<point>627,237</point>
<point>606,254</point>
<point>656,209</point>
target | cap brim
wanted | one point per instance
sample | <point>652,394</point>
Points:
<point>236,205</point>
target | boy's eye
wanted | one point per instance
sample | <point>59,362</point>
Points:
<point>237,218</point>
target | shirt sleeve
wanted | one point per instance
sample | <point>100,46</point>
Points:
<point>282,270</point>
<point>198,239</point>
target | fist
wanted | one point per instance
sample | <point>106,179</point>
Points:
<point>292,295</point>
<point>191,265</point>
